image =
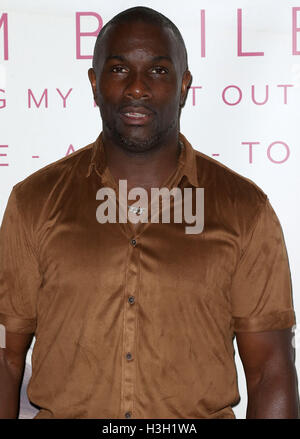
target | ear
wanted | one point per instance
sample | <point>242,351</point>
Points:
<point>93,81</point>
<point>186,82</point>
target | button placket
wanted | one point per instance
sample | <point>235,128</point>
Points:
<point>133,242</point>
<point>129,340</point>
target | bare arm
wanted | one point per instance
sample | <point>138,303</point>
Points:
<point>269,363</point>
<point>12,362</point>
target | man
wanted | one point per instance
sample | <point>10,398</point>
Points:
<point>137,320</point>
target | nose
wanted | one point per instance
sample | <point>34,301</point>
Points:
<point>137,88</point>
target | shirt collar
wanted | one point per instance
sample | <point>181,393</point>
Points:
<point>187,159</point>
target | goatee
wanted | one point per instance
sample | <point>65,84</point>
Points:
<point>136,145</point>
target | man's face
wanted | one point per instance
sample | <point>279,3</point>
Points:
<point>140,84</point>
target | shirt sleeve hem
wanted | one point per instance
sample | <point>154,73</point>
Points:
<point>268,322</point>
<point>18,325</point>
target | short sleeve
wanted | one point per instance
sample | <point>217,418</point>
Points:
<point>20,277</point>
<point>261,291</point>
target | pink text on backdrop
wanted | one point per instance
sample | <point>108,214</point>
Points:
<point>277,142</point>
<point>3,155</point>
<point>194,88</point>
<point>64,98</point>
<point>240,50</point>
<point>240,94</point>
<point>203,33</point>
<point>70,150</point>
<point>239,38</point>
<point>232,95</point>
<point>80,34</point>
<point>2,101</point>
<point>44,97</point>
<point>285,146</point>
<point>287,149</point>
<point>265,99</point>
<point>38,104</point>
<point>4,26</point>
<point>295,31</point>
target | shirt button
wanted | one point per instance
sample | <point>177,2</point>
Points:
<point>128,356</point>
<point>133,242</point>
<point>131,299</point>
<point>128,415</point>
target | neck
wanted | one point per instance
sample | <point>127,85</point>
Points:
<point>144,169</point>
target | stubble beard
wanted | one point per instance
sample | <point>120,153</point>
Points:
<point>139,146</point>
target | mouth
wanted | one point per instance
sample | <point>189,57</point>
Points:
<point>138,116</point>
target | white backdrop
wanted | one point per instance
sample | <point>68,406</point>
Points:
<point>242,109</point>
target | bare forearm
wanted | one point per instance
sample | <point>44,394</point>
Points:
<point>10,380</point>
<point>274,397</point>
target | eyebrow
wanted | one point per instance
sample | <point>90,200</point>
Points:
<point>154,59</point>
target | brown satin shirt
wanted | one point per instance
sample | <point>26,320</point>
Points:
<point>139,322</point>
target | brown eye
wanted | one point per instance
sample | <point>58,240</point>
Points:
<point>118,69</point>
<point>159,70</point>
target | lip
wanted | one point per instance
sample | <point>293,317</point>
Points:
<point>130,115</point>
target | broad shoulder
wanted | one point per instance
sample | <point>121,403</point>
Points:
<point>40,183</point>
<point>226,184</point>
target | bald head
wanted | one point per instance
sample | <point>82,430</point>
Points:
<point>140,64</point>
<point>148,16</point>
